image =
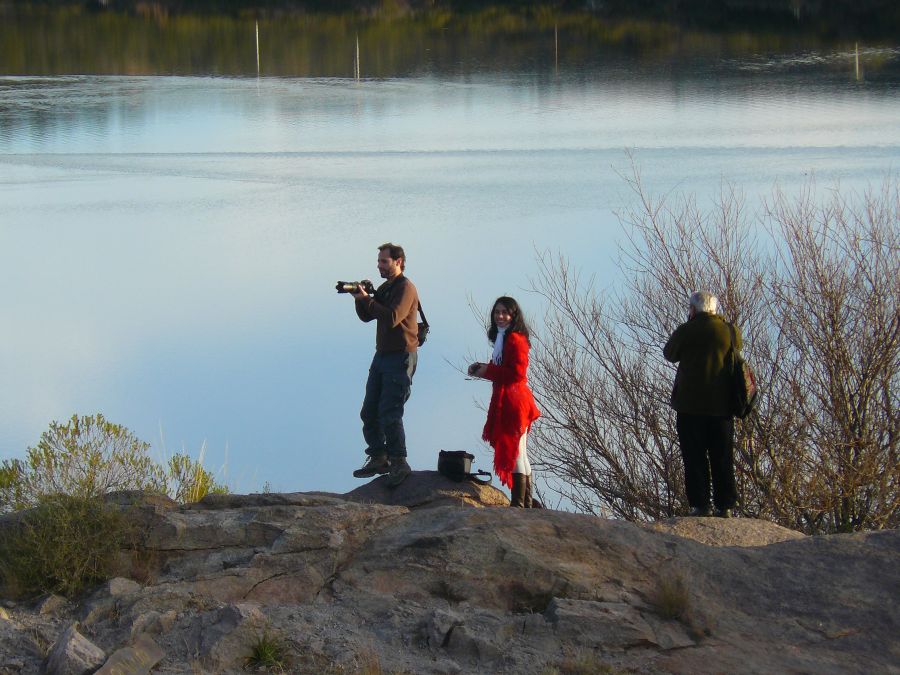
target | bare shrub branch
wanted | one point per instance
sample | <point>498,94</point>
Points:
<point>818,304</point>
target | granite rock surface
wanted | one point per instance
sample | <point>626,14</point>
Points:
<point>439,577</point>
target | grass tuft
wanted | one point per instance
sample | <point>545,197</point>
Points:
<point>269,653</point>
<point>582,663</point>
<point>671,598</point>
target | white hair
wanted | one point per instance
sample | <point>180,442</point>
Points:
<point>704,302</point>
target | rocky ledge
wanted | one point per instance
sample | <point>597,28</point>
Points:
<point>415,580</point>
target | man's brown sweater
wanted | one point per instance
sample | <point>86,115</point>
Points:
<point>394,306</point>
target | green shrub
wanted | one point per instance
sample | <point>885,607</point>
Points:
<point>64,545</point>
<point>187,481</point>
<point>89,457</point>
<point>86,457</point>
<point>66,538</point>
<point>12,495</point>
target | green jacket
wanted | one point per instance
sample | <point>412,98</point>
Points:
<point>699,347</point>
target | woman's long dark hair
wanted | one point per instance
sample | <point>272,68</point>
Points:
<point>517,325</point>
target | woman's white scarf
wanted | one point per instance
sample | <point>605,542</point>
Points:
<point>497,356</point>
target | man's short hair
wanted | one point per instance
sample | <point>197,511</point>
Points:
<point>704,302</point>
<point>395,251</point>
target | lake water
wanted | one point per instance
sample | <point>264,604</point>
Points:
<point>169,244</point>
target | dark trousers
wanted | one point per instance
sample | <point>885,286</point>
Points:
<point>387,390</point>
<point>707,448</point>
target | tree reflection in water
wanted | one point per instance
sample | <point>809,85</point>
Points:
<point>151,40</point>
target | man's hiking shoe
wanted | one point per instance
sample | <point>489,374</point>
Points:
<point>699,512</point>
<point>399,471</point>
<point>373,465</point>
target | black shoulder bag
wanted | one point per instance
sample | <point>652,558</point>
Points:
<point>423,327</point>
<point>457,466</point>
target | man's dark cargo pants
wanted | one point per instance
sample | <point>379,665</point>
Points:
<point>387,390</point>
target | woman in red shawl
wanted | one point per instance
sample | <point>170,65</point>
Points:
<point>512,408</point>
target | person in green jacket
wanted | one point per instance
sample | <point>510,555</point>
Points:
<point>700,398</point>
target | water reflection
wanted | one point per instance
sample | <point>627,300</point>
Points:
<point>49,40</point>
<point>484,113</point>
<point>168,245</point>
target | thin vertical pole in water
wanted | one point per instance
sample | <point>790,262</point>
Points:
<point>257,48</point>
<point>857,61</point>
<point>357,69</point>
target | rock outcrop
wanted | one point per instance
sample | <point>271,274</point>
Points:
<point>417,581</point>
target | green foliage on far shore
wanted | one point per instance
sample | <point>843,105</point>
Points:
<point>399,39</point>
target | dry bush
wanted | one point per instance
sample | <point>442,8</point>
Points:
<point>670,598</point>
<point>580,663</point>
<point>816,294</point>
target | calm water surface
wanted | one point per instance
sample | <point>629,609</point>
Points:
<point>169,245</point>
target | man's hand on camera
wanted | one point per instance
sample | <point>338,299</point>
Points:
<point>360,293</point>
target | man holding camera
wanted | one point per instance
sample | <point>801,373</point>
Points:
<point>393,306</point>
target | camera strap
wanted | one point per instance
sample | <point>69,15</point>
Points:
<point>383,294</point>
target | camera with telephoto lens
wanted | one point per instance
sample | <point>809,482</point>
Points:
<point>354,286</point>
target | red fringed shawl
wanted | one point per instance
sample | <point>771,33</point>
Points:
<point>512,408</point>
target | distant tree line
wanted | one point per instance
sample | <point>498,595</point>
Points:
<point>862,18</point>
<point>49,39</point>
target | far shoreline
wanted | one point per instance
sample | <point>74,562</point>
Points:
<point>835,18</point>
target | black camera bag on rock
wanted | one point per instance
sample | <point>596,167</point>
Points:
<point>457,466</point>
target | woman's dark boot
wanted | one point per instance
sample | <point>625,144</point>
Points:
<point>517,494</point>
<point>528,500</point>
